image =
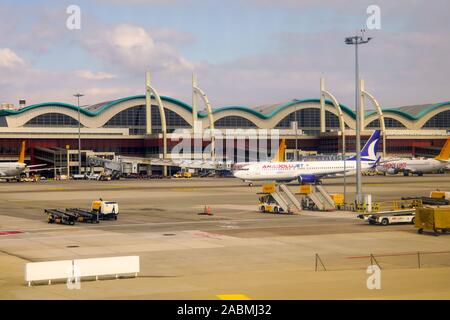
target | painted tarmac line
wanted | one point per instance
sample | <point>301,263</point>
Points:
<point>233,297</point>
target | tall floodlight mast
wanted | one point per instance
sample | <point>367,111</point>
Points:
<point>356,41</point>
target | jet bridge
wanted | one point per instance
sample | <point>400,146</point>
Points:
<point>113,167</point>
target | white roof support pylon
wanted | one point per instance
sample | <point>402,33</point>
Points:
<point>151,91</point>
<point>322,107</point>
<point>323,95</point>
<point>374,101</point>
<point>194,102</point>
<point>197,91</point>
<point>148,104</point>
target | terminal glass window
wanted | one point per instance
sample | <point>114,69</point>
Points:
<point>306,118</point>
<point>331,120</point>
<point>234,122</point>
<point>134,119</point>
<point>131,117</point>
<point>388,123</point>
<point>441,120</point>
<point>173,120</point>
<point>52,120</point>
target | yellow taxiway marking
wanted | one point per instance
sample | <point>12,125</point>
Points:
<point>233,297</point>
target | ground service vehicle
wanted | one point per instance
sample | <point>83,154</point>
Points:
<point>105,209</point>
<point>267,204</point>
<point>385,218</point>
<point>433,218</point>
<point>182,175</point>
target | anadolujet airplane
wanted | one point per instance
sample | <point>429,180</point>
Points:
<point>310,171</point>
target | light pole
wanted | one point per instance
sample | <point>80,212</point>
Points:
<point>357,40</point>
<point>296,132</point>
<point>79,95</point>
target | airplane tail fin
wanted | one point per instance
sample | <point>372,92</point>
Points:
<point>369,151</point>
<point>280,156</point>
<point>445,152</point>
<point>22,153</point>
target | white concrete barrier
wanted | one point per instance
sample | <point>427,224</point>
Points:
<point>107,266</point>
<point>49,270</point>
<point>78,268</point>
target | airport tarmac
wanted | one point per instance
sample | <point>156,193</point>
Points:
<point>236,251</point>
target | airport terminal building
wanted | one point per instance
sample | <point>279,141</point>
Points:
<point>120,127</point>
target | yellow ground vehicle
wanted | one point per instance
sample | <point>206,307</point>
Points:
<point>267,204</point>
<point>434,218</point>
<point>105,209</point>
<point>338,199</point>
<point>34,178</point>
<point>182,175</point>
<point>440,195</point>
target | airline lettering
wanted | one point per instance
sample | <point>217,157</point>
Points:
<point>395,165</point>
<point>282,166</point>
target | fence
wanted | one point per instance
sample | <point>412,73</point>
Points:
<point>402,260</point>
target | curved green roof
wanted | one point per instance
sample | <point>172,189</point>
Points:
<point>420,114</point>
<point>89,112</point>
<point>249,110</point>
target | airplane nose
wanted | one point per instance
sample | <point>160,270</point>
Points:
<point>238,174</point>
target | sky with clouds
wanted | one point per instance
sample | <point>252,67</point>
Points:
<point>245,52</point>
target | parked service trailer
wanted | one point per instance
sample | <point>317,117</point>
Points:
<point>392,217</point>
<point>84,215</point>
<point>433,218</point>
<point>59,216</point>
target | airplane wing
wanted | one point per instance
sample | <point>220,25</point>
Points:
<point>45,169</point>
<point>37,165</point>
<point>193,164</point>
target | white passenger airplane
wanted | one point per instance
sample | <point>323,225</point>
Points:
<point>417,166</point>
<point>13,170</point>
<point>310,171</point>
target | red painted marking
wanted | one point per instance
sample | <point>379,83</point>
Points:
<point>398,254</point>
<point>7,233</point>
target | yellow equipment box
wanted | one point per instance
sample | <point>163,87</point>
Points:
<point>268,188</point>
<point>433,218</point>
<point>306,189</point>
<point>338,198</point>
<point>440,194</point>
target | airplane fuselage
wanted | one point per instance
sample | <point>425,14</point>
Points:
<point>288,171</point>
<point>11,169</point>
<point>412,165</point>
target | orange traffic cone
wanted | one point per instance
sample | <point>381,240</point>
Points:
<point>207,211</point>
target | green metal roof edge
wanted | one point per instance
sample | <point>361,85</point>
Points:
<point>45,104</point>
<point>344,108</point>
<point>254,112</point>
<point>420,114</point>
<point>90,113</point>
<point>431,108</point>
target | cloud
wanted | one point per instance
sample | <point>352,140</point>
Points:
<point>172,36</point>
<point>406,62</point>
<point>140,2</point>
<point>109,91</point>
<point>133,49</point>
<point>9,59</point>
<point>88,74</point>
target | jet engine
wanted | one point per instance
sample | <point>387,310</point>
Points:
<point>307,178</point>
